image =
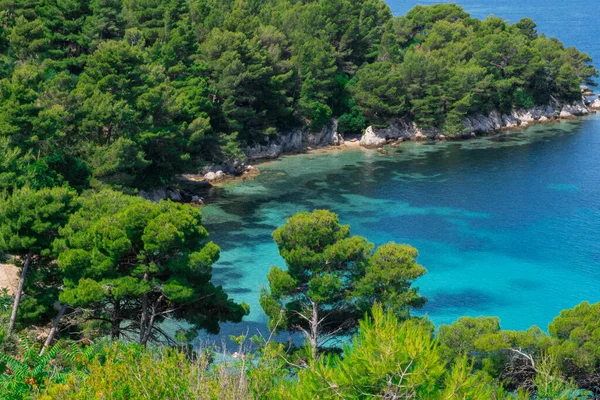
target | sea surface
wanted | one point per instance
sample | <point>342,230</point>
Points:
<point>506,225</point>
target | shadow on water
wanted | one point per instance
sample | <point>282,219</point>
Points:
<point>462,204</point>
<point>463,302</point>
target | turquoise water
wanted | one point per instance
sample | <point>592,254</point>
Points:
<point>506,225</point>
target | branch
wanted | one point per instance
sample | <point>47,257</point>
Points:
<point>526,356</point>
<point>302,316</point>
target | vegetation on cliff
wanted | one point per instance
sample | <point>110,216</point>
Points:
<point>128,93</point>
<point>104,97</point>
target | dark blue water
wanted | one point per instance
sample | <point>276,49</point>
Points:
<point>506,225</point>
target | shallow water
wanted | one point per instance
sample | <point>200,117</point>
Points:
<point>506,225</point>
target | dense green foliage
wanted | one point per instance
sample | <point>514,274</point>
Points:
<point>437,64</point>
<point>387,359</point>
<point>125,94</point>
<point>29,223</point>
<point>572,343</point>
<point>333,278</point>
<point>128,93</point>
<point>130,263</point>
<point>119,264</point>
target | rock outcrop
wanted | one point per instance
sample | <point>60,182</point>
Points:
<point>216,173</point>
<point>184,190</point>
<point>191,188</point>
<point>398,130</point>
<point>401,129</point>
<point>297,140</point>
<point>587,91</point>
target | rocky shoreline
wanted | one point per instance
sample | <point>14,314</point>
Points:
<point>302,139</point>
<point>401,129</point>
<point>298,140</point>
<point>191,188</point>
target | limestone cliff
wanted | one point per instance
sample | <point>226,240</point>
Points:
<point>295,141</point>
<point>402,129</point>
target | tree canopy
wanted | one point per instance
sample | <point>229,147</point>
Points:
<point>29,223</point>
<point>128,93</point>
<point>333,278</point>
<point>131,264</point>
<point>571,344</point>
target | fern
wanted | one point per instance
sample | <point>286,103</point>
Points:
<point>24,376</point>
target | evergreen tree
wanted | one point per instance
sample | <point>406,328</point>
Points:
<point>333,278</point>
<point>133,264</point>
<point>29,222</point>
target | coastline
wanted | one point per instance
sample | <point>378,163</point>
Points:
<point>346,144</point>
<point>192,188</point>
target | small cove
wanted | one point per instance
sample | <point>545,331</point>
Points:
<point>505,224</point>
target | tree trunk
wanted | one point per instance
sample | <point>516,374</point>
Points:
<point>19,293</point>
<point>150,326</point>
<point>314,329</point>
<point>144,318</point>
<point>61,312</point>
<point>116,322</point>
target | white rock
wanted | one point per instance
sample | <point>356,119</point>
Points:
<point>419,136</point>
<point>372,139</point>
<point>565,114</point>
<point>211,176</point>
<point>528,117</point>
<point>510,121</point>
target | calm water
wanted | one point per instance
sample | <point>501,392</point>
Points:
<point>506,225</point>
<point>574,22</point>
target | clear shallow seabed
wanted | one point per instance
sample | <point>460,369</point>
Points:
<point>506,225</point>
